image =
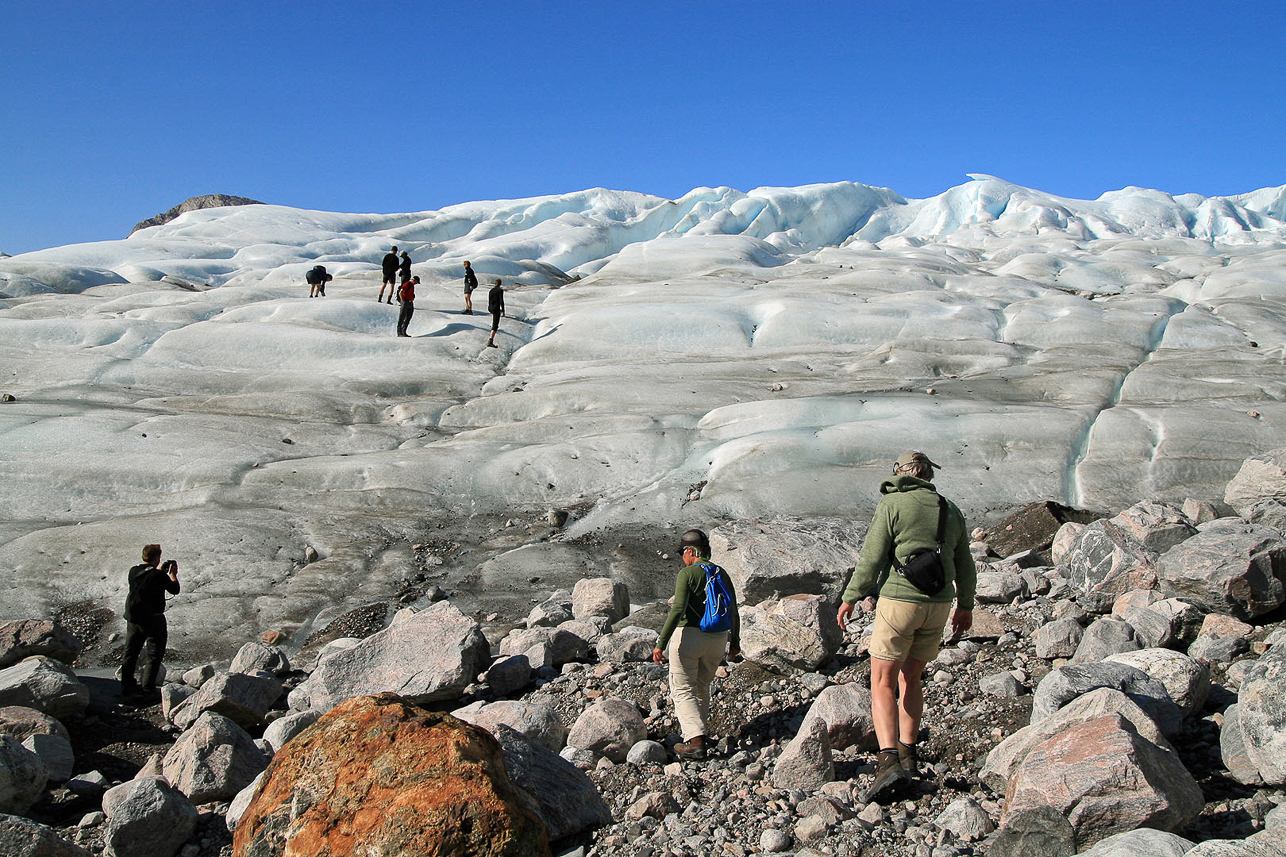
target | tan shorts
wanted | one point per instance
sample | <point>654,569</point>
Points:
<point>905,629</point>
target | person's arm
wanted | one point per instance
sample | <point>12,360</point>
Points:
<point>676,611</point>
<point>871,562</point>
<point>171,582</point>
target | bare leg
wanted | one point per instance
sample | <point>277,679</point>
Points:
<point>911,706</point>
<point>884,706</point>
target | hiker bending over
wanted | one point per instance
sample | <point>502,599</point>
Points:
<point>695,653</point>
<point>145,618</point>
<point>909,620</point>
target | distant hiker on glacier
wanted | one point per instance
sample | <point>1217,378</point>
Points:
<point>389,265</point>
<point>470,283</point>
<point>145,619</point>
<point>406,294</point>
<point>495,306</point>
<point>404,267</point>
<point>703,621</point>
<point>317,279</point>
<point>923,536</point>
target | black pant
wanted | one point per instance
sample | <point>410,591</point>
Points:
<point>152,631</point>
<point>404,317</point>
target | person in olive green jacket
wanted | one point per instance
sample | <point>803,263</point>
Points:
<point>695,654</point>
<point>908,622</point>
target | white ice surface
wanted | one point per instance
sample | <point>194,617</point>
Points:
<point>723,354</point>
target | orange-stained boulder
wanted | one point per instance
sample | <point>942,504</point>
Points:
<point>379,775</point>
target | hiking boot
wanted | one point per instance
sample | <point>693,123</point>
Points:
<point>888,770</point>
<point>909,758</point>
<point>492,345</point>
<point>694,749</point>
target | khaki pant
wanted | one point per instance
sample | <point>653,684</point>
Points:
<point>694,656</point>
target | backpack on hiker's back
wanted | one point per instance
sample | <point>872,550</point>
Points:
<point>718,613</point>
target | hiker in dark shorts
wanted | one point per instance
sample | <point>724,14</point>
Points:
<point>470,283</point>
<point>317,279</point>
<point>404,267</point>
<point>406,294</point>
<point>495,306</point>
<point>145,619</point>
<point>389,265</point>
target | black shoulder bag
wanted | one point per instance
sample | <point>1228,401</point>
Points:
<point>923,568</point>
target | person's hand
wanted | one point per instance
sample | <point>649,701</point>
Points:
<point>845,611</point>
<point>658,656</point>
<point>961,621</point>
<point>734,652</point>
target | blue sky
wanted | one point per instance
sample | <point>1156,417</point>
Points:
<point>113,112</point>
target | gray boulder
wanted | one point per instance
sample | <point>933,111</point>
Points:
<point>1004,684</point>
<point>1270,512</point>
<point>609,727</point>
<point>1261,477</point>
<point>591,628</point>
<point>562,646</point>
<point>1106,561</point>
<point>1005,757</point>
<point>198,676</point>
<point>22,722</point>
<point>1058,639</point>
<point>146,818</point>
<point>563,796</point>
<point>1106,779</point>
<point>55,753</point>
<point>45,685</point>
<point>1184,619</point>
<point>1144,842</point>
<point>281,730</point>
<point>243,698</point>
<point>23,638</point>
<point>1105,637</point>
<point>798,632</point>
<point>552,611</point>
<point>1261,709</point>
<point>213,760</point>
<point>630,644</point>
<point>20,837</point>
<point>434,655</point>
<point>1061,686</point>
<point>1228,567</point>
<point>237,808</point>
<point>846,711</point>
<point>22,776</point>
<point>1039,832</point>
<point>787,556</point>
<point>174,694</point>
<point>1204,511</point>
<point>647,753</point>
<point>1157,526</point>
<point>600,596</point>
<point>1185,678</point>
<point>538,721</point>
<point>256,657</point>
<point>998,587</point>
<point>966,818</point>
<point>508,674</point>
<point>1217,650</point>
<point>1232,750</point>
<point>1151,629</point>
<point>806,764</point>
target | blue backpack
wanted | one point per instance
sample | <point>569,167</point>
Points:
<point>718,615</point>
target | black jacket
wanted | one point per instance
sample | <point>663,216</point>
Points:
<point>390,264</point>
<point>496,300</point>
<point>147,588</point>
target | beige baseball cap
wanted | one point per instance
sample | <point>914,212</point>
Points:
<point>912,457</point>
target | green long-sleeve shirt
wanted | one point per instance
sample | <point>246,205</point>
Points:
<point>907,519</point>
<point>690,604</point>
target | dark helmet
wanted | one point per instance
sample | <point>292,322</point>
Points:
<point>695,539</point>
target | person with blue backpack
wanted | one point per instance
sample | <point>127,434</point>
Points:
<point>702,624</point>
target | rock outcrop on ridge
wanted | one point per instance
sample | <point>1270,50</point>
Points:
<point>195,203</point>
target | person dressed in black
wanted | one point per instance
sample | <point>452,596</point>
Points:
<point>404,268</point>
<point>317,279</point>
<point>470,283</point>
<point>495,306</point>
<point>406,294</point>
<point>145,618</point>
<point>390,265</point>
